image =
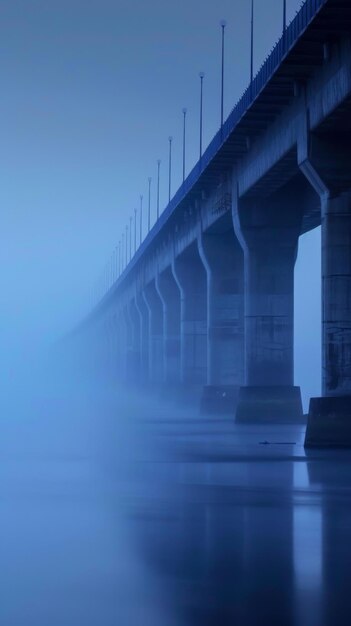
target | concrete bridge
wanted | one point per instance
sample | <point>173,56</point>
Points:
<point>204,310</point>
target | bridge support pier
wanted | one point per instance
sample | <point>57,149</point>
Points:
<point>190,277</point>
<point>128,345</point>
<point>269,237</point>
<point>169,294</point>
<point>143,313</point>
<point>135,343</point>
<point>155,310</point>
<point>223,260</point>
<point>328,168</point>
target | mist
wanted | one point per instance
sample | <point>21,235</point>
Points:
<point>90,93</point>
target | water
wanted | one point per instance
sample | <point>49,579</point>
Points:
<point>115,511</point>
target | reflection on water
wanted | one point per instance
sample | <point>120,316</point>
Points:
<point>116,511</point>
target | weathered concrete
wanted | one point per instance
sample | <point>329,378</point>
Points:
<point>223,260</point>
<point>190,277</point>
<point>169,294</point>
<point>327,166</point>
<point>269,237</point>
<point>155,309</point>
<point>128,334</point>
<point>144,338</point>
<point>135,356</point>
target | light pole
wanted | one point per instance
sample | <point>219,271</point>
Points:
<point>141,219</point>
<point>135,230</point>
<point>223,25</point>
<point>158,187</point>
<point>170,139</point>
<point>184,125</point>
<point>130,237</point>
<point>126,245</point>
<point>201,75</point>
<point>252,42</point>
<point>149,206</point>
<point>122,254</point>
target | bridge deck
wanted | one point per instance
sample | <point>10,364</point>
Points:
<point>294,58</point>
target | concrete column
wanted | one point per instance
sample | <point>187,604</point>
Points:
<point>155,309</point>
<point>114,348</point>
<point>327,166</point>
<point>268,233</point>
<point>169,294</point>
<point>127,344</point>
<point>143,313</point>
<point>223,260</point>
<point>120,329</point>
<point>136,341</point>
<point>190,276</point>
<point>336,295</point>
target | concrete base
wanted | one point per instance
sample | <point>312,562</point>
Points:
<point>219,399</point>
<point>329,423</point>
<point>269,405</point>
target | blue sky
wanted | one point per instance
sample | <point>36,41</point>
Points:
<point>90,92</point>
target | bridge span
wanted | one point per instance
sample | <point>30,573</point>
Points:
<point>205,308</point>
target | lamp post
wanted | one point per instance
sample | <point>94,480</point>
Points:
<point>149,206</point>
<point>158,187</point>
<point>141,219</point>
<point>201,75</point>
<point>126,245</point>
<point>130,237</point>
<point>252,42</point>
<point>184,126</point>
<point>135,229</point>
<point>223,25</point>
<point>170,139</point>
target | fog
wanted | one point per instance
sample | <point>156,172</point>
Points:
<point>90,92</point>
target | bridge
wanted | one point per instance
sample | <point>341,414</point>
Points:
<point>204,310</point>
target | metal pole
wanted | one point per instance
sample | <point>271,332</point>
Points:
<point>141,219</point>
<point>184,124</point>
<point>149,207</point>
<point>201,107</point>
<point>126,245</point>
<point>158,187</point>
<point>170,139</point>
<point>135,230</point>
<point>252,40</point>
<point>223,25</point>
<point>122,255</point>
<point>130,236</point>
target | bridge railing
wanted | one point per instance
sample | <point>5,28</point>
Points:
<point>288,39</point>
